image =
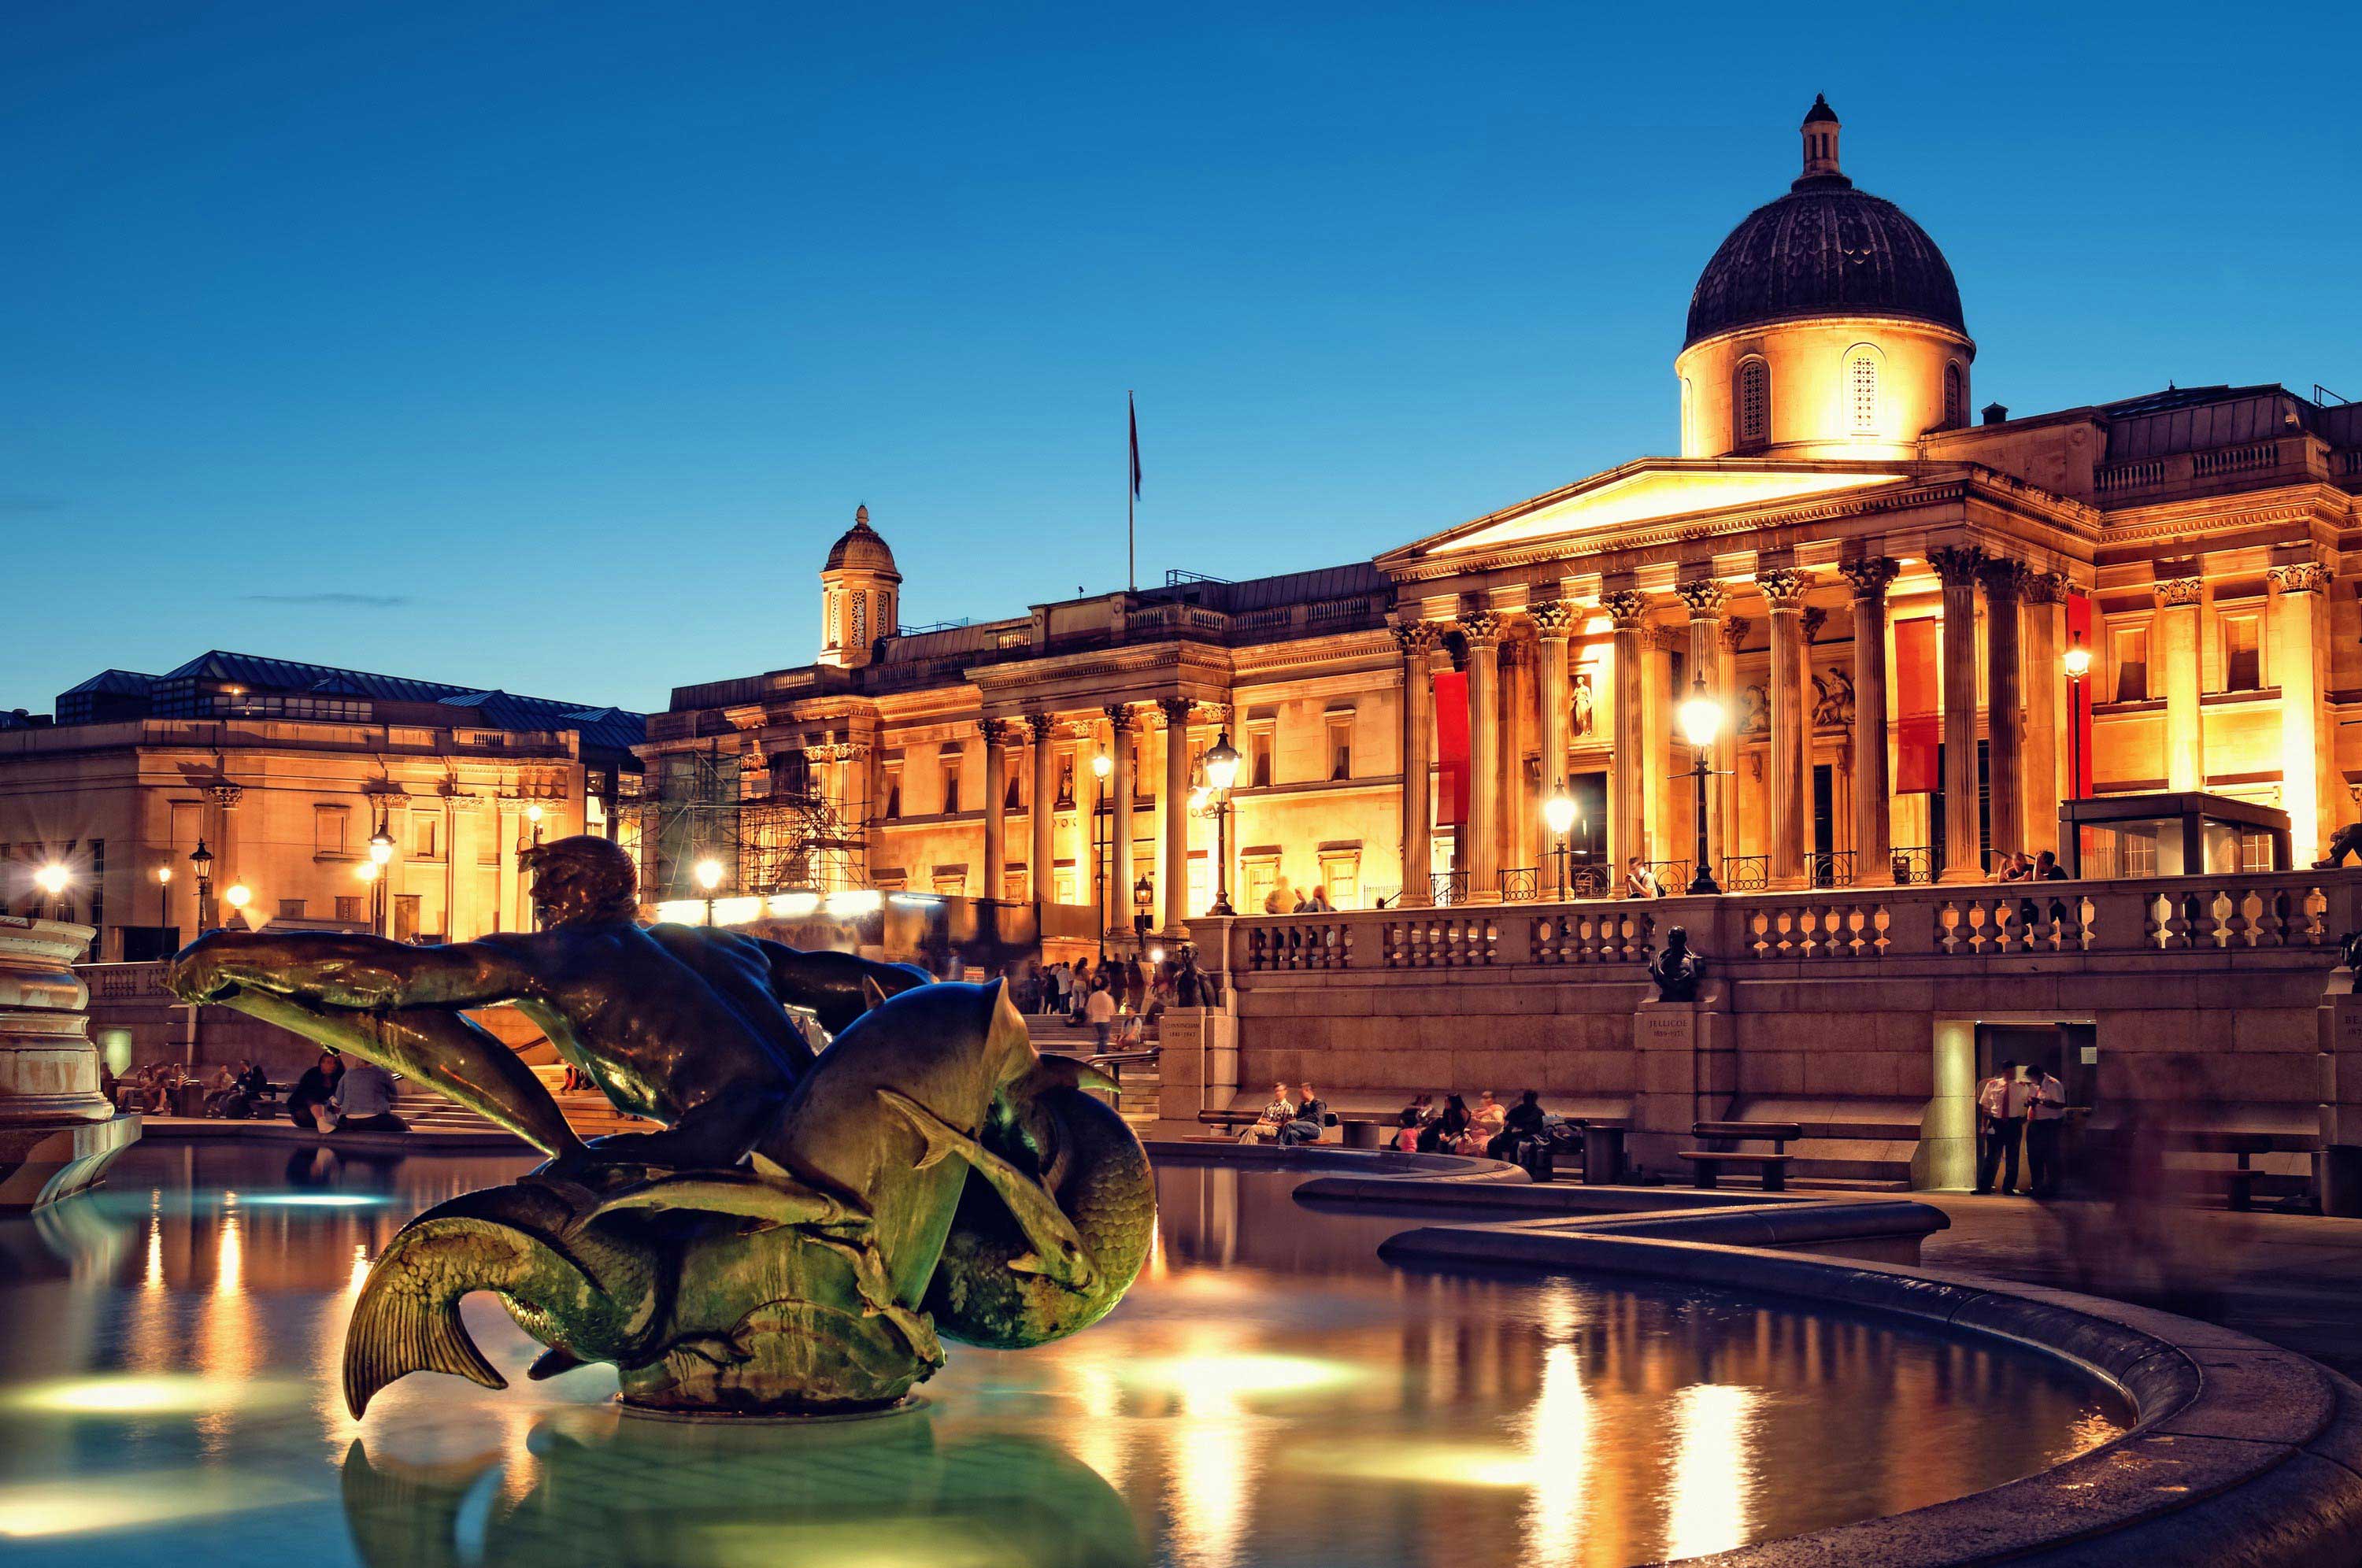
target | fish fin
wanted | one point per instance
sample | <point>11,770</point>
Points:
<point>552,1362</point>
<point>1062,1257</point>
<point>767,1167</point>
<point>719,1349</point>
<point>400,1325</point>
<point>942,1138</point>
<point>872,993</point>
<point>879,1300</point>
<point>774,1203</point>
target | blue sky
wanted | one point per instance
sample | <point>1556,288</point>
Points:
<point>547,345</point>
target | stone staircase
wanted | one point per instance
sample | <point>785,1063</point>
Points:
<point>1850,1144</point>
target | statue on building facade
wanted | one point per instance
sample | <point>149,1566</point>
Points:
<point>806,1223</point>
<point>1583,714</point>
<point>1677,970</point>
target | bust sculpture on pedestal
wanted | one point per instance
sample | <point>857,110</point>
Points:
<point>1677,970</point>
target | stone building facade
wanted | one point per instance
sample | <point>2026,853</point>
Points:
<point>1878,592</point>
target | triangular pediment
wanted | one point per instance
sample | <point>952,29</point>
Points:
<point>1651,490</point>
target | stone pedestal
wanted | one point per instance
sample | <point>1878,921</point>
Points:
<point>57,1133</point>
<point>1197,1061</point>
<point>1686,1073</point>
<point>2337,1174</point>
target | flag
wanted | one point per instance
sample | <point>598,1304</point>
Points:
<point>1915,702</point>
<point>1134,413</point>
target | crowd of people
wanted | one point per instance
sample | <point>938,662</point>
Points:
<point>1423,1126</point>
<point>333,1095</point>
<point>2020,1107</point>
<point>1117,997</point>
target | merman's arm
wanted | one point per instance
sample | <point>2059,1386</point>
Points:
<point>347,970</point>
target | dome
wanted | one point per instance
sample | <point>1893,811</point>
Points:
<point>1823,248</point>
<point>861,547</point>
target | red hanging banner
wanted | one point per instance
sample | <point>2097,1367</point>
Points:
<point>1920,732</point>
<point>2079,698</point>
<point>1450,748</point>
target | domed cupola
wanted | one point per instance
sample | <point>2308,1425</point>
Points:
<point>1827,323</point>
<point>859,591</point>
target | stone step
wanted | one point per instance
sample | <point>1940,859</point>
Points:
<point>1849,1184</point>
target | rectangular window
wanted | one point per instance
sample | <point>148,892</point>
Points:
<point>424,831</point>
<point>406,916</point>
<point>2243,659</point>
<point>1261,873</point>
<point>1341,745</point>
<point>1341,875</point>
<point>951,882</point>
<point>2132,665</point>
<point>1260,743</point>
<point>292,909</point>
<point>1865,393</point>
<point>893,792</point>
<point>1201,882</point>
<point>951,767</point>
<point>330,826</point>
<point>349,909</point>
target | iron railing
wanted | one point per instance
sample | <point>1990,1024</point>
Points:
<point>1746,873</point>
<point>1520,885</point>
<point>1450,888</point>
<point>1911,862</point>
<point>1834,869</point>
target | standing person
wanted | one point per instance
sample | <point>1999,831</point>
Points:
<point>1099,1011</point>
<point>2046,1115</point>
<point>2001,1117</point>
<point>1135,986</point>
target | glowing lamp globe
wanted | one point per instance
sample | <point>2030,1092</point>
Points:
<point>709,873</point>
<point>1559,809</point>
<point>52,878</point>
<point>2078,660</point>
<point>1222,762</point>
<point>1700,715</point>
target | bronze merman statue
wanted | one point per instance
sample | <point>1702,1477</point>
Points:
<point>928,1170</point>
<point>683,1024</point>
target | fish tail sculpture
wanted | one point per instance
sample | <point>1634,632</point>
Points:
<point>589,1293</point>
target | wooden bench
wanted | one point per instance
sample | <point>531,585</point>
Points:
<point>1722,1140</point>
<point>2239,1185</point>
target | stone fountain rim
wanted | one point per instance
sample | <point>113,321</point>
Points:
<point>2241,1452</point>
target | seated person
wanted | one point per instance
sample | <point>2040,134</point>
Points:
<point>1444,1135</point>
<point>316,1087</point>
<point>221,1088</point>
<point>1276,1115</point>
<point>363,1102</point>
<point>1406,1127</point>
<point>1311,1116</point>
<point>1524,1121</point>
<point>1488,1114</point>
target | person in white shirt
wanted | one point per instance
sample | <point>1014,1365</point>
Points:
<point>2046,1117</point>
<point>2001,1117</point>
<point>1099,1011</point>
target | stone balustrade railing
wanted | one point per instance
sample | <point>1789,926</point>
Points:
<point>2224,916</point>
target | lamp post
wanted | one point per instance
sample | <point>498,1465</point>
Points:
<point>381,855</point>
<point>1557,814</point>
<point>533,815</point>
<point>2078,660</point>
<point>1143,901</point>
<point>709,876</point>
<point>53,879</point>
<point>237,895</point>
<point>1102,766</point>
<point>1221,772</point>
<point>163,911</point>
<point>201,861</point>
<point>1700,717</point>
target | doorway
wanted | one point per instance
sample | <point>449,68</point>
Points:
<point>2066,1051</point>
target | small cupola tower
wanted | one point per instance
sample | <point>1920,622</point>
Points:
<point>1820,128</point>
<point>859,595</point>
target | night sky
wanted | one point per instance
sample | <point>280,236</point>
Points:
<point>547,346</point>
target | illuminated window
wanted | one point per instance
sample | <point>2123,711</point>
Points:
<point>1862,378</point>
<point>1956,397</point>
<point>1341,876</point>
<point>950,764</point>
<point>1341,745</point>
<point>1753,401</point>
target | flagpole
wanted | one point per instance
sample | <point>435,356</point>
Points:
<point>1130,498</point>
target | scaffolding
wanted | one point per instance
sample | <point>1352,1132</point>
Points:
<point>699,806</point>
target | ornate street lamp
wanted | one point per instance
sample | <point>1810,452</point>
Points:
<point>1102,766</point>
<point>163,911</point>
<point>53,879</point>
<point>709,876</point>
<point>1557,814</point>
<point>237,895</point>
<point>2078,660</point>
<point>1143,900</point>
<point>1701,717</point>
<point>201,861</point>
<point>1221,772</point>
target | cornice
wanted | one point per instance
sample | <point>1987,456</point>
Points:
<point>2229,512</point>
<point>1004,682</point>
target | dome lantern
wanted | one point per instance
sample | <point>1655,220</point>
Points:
<point>860,594</point>
<point>1820,131</point>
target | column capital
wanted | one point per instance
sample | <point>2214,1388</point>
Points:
<point>1120,716</point>
<point>1733,632</point>
<point>1554,618</point>
<point>1704,598</point>
<point>1414,638</point>
<point>995,731</point>
<point>1956,564</point>
<point>2298,577</point>
<point>1626,608</point>
<point>2178,591</point>
<point>1668,638</point>
<point>1483,628</point>
<point>1813,618</point>
<point>1784,588</point>
<point>2003,579</point>
<point>1869,579</point>
<point>229,796</point>
<point>2042,587</point>
<point>1177,711</point>
<point>1044,726</point>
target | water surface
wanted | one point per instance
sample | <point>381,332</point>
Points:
<point>1269,1392</point>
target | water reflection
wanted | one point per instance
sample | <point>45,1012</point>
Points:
<point>1270,1391</point>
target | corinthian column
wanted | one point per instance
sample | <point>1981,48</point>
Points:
<point>1705,600</point>
<point>2042,593</point>
<point>1628,835</point>
<point>1554,621</point>
<point>1731,637</point>
<point>1480,834</point>
<point>1958,564</point>
<point>1042,868</point>
<point>2296,599</point>
<point>1175,809</point>
<point>2002,769</point>
<point>1784,594</point>
<point>1120,781</point>
<point>2185,741</point>
<point>1417,640</point>
<point>996,809</point>
<point>1873,842</point>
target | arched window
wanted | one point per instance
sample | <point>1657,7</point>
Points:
<point>858,637</point>
<point>1750,401</point>
<point>828,621</point>
<point>1956,396</point>
<point>1861,382</point>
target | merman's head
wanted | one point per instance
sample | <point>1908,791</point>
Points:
<point>581,878</point>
